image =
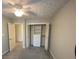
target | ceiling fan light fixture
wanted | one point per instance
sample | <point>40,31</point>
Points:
<point>18,12</point>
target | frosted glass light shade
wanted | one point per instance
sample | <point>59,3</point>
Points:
<point>18,12</point>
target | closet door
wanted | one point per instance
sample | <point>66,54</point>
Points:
<point>37,36</point>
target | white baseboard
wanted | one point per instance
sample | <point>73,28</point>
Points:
<point>52,54</point>
<point>5,52</point>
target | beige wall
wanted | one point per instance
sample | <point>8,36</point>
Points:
<point>63,32</point>
<point>19,32</point>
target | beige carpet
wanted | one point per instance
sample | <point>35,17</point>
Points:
<point>30,53</point>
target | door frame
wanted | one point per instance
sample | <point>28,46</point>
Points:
<point>46,40</point>
<point>8,34</point>
<point>34,30</point>
<point>23,41</point>
<point>8,37</point>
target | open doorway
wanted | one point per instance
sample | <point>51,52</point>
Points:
<point>19,34</point>
<point>16,35</point>
<point>37,35</point>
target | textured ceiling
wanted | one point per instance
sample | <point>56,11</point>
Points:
<point>43,8</point>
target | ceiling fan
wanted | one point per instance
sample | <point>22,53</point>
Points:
<point>18,9</point>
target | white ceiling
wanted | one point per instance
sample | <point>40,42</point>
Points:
<point>43,8</point>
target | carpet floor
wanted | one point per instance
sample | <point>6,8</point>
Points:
<point>30,53</point>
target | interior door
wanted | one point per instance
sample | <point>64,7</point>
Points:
<point>11,30</point>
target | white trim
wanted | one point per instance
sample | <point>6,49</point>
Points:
<point>36,23</point>
<point>5,52</point>
<point>47,36</point>
<point>52,54</point>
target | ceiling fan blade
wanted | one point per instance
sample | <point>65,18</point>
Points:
<point>16,3</point>
<point>11,2</point>
<point>30,13</point>
<point>7,4</point>
<point>26,7</point>
<point>7,10</point>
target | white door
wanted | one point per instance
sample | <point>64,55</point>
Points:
<point>36,40</point>
<point>11,30</point>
